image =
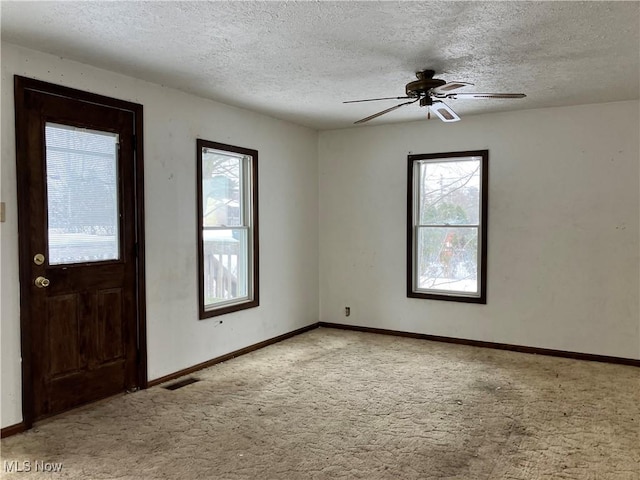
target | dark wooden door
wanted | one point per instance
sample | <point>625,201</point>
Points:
<point>76,164</point>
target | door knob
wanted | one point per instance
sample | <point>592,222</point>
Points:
<point>42,282</point>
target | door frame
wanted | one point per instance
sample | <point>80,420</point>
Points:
<point>22,85</point>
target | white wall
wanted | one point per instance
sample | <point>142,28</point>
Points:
<point>564,224</point>
<point>563,252</point>
<point>172,122</point>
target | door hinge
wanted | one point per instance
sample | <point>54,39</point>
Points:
<point>134,142</point>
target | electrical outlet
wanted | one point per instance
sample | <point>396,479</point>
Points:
<point>347,311</point>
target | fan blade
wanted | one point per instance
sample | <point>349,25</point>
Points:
<point>376,115</point>
<point>485,95</point>
<point>447,87</point>
<point>444,112</point>
<point>376,99</point>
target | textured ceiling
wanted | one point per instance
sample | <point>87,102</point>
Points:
<point>299,60</point>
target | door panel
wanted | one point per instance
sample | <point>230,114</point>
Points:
<point>63,334</point>
<point>78,212</point>
<point>109,328</point>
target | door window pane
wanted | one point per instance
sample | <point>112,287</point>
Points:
<point>82,195</point>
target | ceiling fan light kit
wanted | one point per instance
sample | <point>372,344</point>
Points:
<point>444,113</point>
<point>430,92</point>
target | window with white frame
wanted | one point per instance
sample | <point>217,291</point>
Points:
<point>447,226</point>
<point>227,228</point>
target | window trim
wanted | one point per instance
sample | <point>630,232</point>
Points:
<point>253,236</point>
<point>482,226</point>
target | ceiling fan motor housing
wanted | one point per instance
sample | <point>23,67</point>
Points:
<point>425,82</point>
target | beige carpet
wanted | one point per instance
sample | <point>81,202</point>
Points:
<point>336,404</point>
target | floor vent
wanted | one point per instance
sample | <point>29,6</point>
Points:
<point>182,383</point>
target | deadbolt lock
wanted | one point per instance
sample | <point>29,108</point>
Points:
<point>38,259</point>
<point>42,282</point>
